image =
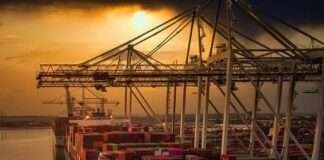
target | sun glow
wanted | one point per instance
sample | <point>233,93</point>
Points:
<point>140,19</point>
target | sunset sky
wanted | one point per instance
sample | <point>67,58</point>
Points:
<point>35,32</point>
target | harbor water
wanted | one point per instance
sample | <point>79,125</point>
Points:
<point>27,144</point>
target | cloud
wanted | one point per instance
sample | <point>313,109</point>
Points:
<point>9,38</point>
<point>89,5</point>
<point>298,12</point>
<point>34,55</point>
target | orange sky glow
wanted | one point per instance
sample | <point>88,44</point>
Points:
<point>56,34</point>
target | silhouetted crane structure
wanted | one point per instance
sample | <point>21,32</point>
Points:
<point>85,100</point>
<point>242,58</point>
<point>85,103</point>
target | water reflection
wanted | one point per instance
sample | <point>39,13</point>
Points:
<point>25,144</point>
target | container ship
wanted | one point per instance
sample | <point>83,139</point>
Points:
<point>104,138</point>
<point>100,137</point>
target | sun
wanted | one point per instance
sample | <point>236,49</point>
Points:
<point>140,19</point>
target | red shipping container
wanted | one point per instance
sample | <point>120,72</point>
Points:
<point>142,151</point>
<point>162,158</point>
<point>174,151</point>
<point>121,155</point>
<point>124,137</point>
<point>227,157</point>
<point>93,140</point>
<point>159,137</point>
<point>91,154</point>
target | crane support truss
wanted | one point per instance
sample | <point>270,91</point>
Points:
<point>269,69</point>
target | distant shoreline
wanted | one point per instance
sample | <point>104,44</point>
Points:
<point>29,127</point>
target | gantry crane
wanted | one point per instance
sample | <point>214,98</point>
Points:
<point>241,58</point>
<point>85,103</point>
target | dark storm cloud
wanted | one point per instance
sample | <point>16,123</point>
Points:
<point>147,4</point>
<point>296,11</point>
<point>302,11</point>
